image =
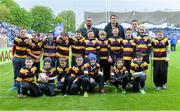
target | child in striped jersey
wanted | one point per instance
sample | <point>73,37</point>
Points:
<point>114,46</point>
<point>62,47</point>
<point>77,46</point>
<point>91,46</point>
<point>103,55</point>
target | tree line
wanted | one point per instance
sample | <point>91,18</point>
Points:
<point>38,18</point>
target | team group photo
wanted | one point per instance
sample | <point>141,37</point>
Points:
<point>102,60</point>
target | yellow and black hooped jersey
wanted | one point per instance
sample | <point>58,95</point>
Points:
<point>26,75</point>
<point>118,72</point>
<point>77,71</point>
<point>159,47</point>
<point>77,46</point>
<point>115,45</point>
<point>143,44</point>
<point>22,45</point>
<point>128,49</point>
<point>103,49</point>
<point>63,71</point>
<point>51,72</point>
<point>91,70</point>
<point>135,67</point>
<point>49,48</point>
<point>91,46</point>
<point>36,47</point>
<point>63,48</point>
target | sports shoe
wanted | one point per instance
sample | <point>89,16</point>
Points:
<point>142,91</point>
<point>101,91</point>
<point>157,88</point>
<point>164,86</point>
<point>13,88</point>
<point>85,94</point>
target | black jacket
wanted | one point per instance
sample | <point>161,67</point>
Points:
<point>84,32</point>
<point>108,30</point>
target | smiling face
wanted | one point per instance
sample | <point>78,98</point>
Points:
<point>102,36</point>
<point>92,62</point>
<point>50,36</point>
<point>119,64</point>
<point>128,34</point>
<point>139,59</point>
<point>142,29</point>
<point>79,61</point>
<point>115,31</point>
<point>47,65</point>
<point>160,35</point>
<point>134,25</point>
<point>90,35</point>
<point>78,35</point>
<point>63,62</point>
<point>23,33</point>
<point>29,63</point>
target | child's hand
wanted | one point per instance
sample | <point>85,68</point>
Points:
<point>167,60</point>
<point>91,80</point>
<point>100,73</point>
<point>62,79</point>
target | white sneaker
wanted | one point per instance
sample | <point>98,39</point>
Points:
<point>164,86</point>
<point>142,91</point>
<point>157,88</point>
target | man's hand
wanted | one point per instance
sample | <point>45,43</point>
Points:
<point>110,59</point>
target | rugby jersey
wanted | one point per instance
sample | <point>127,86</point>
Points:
<point>77,46</point>
<point>143,44</point>
<point>135,67</point>
<point>26,75</point>
<point>49,48</point>
<point>91,46</point>
<point>103,49</point>
<point>91,70</point>
<point>51,72</point>
<point>36,48</point>
<point>115,45</point>
<point>159,47</point>
<point>128,49</point>
<point>63,71</point>
<point>21,47</point>
<point>62,48</point>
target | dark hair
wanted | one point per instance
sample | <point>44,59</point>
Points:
<point>90,31</point>
<point>79,56</point>
<point>113,16</point>
<point>129,29</point>
<point>28,58</point>
<point>119,59</point>
<point>64,33</point>
<point>134,21</point>
<point>115,28</point>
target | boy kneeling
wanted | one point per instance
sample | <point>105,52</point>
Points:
<point>120,76</point>
<point>138,70</point>
<point>92,69</point>
<point>25,80</point>
<point>46,78</point>
<point>78,78</point>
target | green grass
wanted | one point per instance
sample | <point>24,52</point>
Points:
<point>153,100</point>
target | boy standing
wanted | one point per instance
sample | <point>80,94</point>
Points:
<point>160,61</point>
